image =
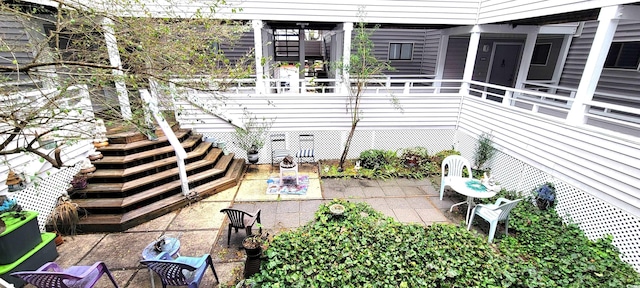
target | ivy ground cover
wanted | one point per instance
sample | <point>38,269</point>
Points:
<point>364,248</point>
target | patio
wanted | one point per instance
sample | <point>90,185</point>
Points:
<point>202,228</point>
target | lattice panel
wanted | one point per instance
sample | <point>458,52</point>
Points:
<point>329,144</point>
<point>594,216</point>
<point>43,197</point>
<point>466,145</point>
<point>506,170</point>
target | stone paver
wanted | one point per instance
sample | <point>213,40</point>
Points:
<point>203,229</point>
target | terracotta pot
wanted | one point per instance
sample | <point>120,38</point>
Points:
<point>58,240</point>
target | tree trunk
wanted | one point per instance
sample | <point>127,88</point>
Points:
<point>347,145</point>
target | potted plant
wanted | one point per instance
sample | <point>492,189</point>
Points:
<point>484,151</point>
<point>65,216</point>
<point>545,196</point>
<point>414,157</point>
<point>252,137</point>
<point>252,244</point>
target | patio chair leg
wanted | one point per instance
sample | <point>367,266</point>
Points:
<point>210,262</point>
<point>229,236</point>
<point>492,230</point>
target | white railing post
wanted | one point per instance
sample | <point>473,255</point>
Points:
<point>472,52</point>
<point>181,154</point>
<point>608,22</point>
<point>257,45</point>
<point>114,60</point>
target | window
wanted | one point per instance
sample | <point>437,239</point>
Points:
<point>400,51</point>
<point>541,54</point>
<point>623,55</point>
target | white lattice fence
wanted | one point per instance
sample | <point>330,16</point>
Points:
<point>329,144</point>
<point>594,216</point>
<point>42,197</point>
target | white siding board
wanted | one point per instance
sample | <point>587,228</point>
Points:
<point>604,167</point>
<point>617,81</point>
<point>498,11</point>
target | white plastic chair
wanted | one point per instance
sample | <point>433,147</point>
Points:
<point>494,213</point>
<point>453,166</point>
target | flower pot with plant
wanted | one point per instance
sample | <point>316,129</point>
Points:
<point>252,137</point>
<point>253,246</point>
<point>65,216</point>
<point>545,196</point>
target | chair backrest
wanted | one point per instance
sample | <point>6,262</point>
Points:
<point>506,208</point>
<point>42,279</point>
<point>306,141</point>
<point>278,142</point>
<point>236,217</point>
<point>171,272</point>
<point>453,165</point>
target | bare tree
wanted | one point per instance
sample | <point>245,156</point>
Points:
<point>363,64</point>
<point>73,50</point>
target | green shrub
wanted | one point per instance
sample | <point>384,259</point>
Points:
<point>437,158</point>
<point>363,248</point>
<point>375,159</point>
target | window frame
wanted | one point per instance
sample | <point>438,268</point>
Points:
<point>546,60</point>
<point>401,46</point>
<point>616,67</point>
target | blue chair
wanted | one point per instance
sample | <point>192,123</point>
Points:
<point>50,275</point>
<point>181,271</point>
<point>494,213</point>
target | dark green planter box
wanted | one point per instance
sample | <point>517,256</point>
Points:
<point>32,260</point>
<point>19,237</point>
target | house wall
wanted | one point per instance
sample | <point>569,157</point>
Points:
<point>15,44</point>
<point>241,48</point>
<point>619,81</point>
<point>606,167</point>
<point>491,11</point>
<point>545,72</point>
<point>382,38</point>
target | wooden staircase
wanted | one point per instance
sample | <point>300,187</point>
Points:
<point>138,180</point>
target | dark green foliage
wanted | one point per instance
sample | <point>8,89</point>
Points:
<point>376,159</point>
<point>363,248</point>
<point>439,157</point>
<point>484,151</point>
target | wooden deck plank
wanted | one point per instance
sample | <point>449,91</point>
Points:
<point>139,144</point>
<point>119,173</point>
<point>146,154</point>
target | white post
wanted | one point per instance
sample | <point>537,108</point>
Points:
<point>525,63</point>
<point>114,59</point>
<point>595,63</point>
<point>257,45</point>
<point>442,57</point>
<point>346,53</point>
<point>301,56</point>
<point>181,154</point>
<point>472,52</point>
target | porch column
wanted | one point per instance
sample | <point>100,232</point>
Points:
<point>257,45</point>
<point>472,52</point>
<point>114,60</point>
<point>525,63</point>
<point>442,57</point>
<point>595,63</point>
<point>346,53</point>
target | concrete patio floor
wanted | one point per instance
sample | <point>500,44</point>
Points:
<point>202,229</point>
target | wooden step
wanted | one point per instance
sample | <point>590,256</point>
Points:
<point>190,142</point>
<point>202,148</point>
<point>93,203</point>
<point>121,222</point>
<point>155,178</point>
<point>142,143</point>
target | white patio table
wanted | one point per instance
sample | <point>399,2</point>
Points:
<point>472,188</point>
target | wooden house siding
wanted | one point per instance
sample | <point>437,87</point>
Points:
<point>382,38</point>
<point>456,57</point>
<point>458,12</point>
<point>492,11</point>
<point>241,48</point>
<point>618,81</point>
<point>15,44</point>
<point>430,54</point>
<point>605,167</point>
